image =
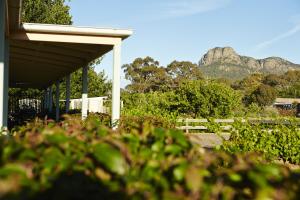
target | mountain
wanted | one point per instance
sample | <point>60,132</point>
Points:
<point>226,63</point>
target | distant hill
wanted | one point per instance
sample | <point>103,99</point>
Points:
<point>226,63</point>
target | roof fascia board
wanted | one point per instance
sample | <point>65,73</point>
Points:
<point>72,30</point>
<point>79,39</point>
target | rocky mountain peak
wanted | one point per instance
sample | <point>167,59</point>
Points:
<point>224,62</point>
<point>220,54</point>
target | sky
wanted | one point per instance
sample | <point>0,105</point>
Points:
<point>184,30</point>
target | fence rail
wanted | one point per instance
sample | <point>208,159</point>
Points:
<point>226,124</point>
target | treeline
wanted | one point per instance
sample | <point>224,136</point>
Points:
<point>181,89</point>
<point>269,86</point>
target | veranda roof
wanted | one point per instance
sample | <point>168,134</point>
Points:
<point>40,54</point>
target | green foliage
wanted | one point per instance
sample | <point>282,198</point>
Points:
<point>98,85</point>
<point>248,84</point>
<point>274,80</point>
<point>292,91</point>
<point>46,11</point>
<point>84,160</point>
<point>146,75</point>
<point>167,93</point>
<point>274,141</point>
<point>264,95</point>
<point>286,85</point>
<point>183,71</point>
<point>154,103</point>
<point>218,70</point>
<point>207,99</point>
<point>191,98</point>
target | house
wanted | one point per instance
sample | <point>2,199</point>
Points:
<point>286,103</point>
<point>40,55</point>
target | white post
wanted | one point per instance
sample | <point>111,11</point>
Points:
<point>50,101</point>
<point>57,93</point>
<point>68,92</point>
<point>4,58</point>
<point>116,86</point>
<point>84,108</point>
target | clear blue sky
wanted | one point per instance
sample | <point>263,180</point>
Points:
<point>185,29</point>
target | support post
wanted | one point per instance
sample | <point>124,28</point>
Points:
<point>45,103</point>
<point>50,101</point>
<point>84,108</point>
<point>115,117</point>
<point>47,100</point>
<point>57,93</point>
<point>68,92</point>
<point>4,58</point>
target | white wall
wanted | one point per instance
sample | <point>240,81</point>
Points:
<point>95,104</point>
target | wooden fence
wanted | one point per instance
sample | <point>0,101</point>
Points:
<point>189,125</point>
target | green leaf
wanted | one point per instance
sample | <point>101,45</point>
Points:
<point>57,138</point>
<point>157,146</point>
<point>110,157</point>
<point>179,172</point>
<point>235,177</point>
<point>173,149</point>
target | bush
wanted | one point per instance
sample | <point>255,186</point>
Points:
<point>279,142</point>
<point>264,95</point>
<point>86,160</point>
<point>202,99</point>
<point>153,103</point>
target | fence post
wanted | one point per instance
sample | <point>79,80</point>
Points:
<point>186,126</point>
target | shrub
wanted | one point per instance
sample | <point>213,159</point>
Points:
<point>153,103</point>
<point>85,160</point>
<point>264,95</point>
<point>203,99</point>
<point>279,142</point>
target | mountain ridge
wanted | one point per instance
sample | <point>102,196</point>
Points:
<point>224,62</point>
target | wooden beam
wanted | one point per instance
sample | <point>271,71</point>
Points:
<point>46,56</point>
<point>16,62</point>
<point>35,59</point>
<point>78,47</point>
<point>49,48</point>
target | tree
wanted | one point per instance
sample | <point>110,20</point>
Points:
<point>152,103</point>
<point>292,76</point>
<point>264,95</point>
<point>46,11</point>
<point>274,80</point>
<point>183,71</point>
<point>249,84</point>
<point>292,91</point>
<point>98,85</point>
<point>145,75</point>
<point>207,99</point>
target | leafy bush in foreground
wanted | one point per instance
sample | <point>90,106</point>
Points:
<point>84,160</point>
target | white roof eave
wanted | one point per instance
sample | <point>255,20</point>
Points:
<point>67,29</point>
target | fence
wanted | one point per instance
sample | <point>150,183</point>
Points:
<point>22,108</point>
<point>189,125</point>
